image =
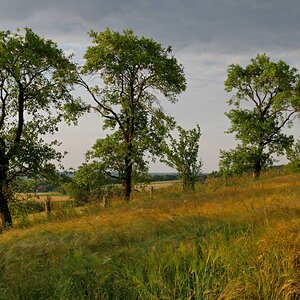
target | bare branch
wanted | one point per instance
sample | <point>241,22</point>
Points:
<point>3,100</point>
<point>107,109</point>
<point>279,128</point>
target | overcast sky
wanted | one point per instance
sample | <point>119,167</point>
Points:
<point>206,36</point>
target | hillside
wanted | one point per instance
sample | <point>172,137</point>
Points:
<point>228,240</point>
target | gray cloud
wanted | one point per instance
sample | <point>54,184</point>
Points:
<point>216,25</point>
<point>206,35</point>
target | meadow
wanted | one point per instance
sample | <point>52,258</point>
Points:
<point>237,239</point>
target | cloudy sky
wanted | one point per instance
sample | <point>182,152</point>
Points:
<point>206,36</point>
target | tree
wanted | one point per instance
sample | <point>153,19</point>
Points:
<point>87,184</point>
<point>293,155</point>
<point>135,73</point>
<point>34,80</point>
<point>265,101</point>
<point>240,160</point>
<point>182,155</point>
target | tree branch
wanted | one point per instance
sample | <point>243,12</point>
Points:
<point>251,95</point>
<point>259,99</point>
<point>279,127</point>
<point>20,114</point>
<point>33,77</point>
<point>109,110</point>
<point>3,99</point>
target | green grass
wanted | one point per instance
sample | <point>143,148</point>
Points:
<point>225,241</point>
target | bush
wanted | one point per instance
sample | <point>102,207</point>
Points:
<point>21,209</point>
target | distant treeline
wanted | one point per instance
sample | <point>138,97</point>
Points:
<point>164,177</point>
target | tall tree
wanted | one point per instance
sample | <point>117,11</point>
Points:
<point>34,79</point>
<point>266,98</point>
<point>182,155</point>
<point>135,72</point>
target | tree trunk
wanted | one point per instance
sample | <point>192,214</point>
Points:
<point>4,195</point>
<point>4,210</point>
<point>128,182</point>
<point>257,169</point>
<point>256,174</point>
<point>188,184</point>
<point>128,170</point>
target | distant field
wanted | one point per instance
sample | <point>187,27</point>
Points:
<point>41,197</point>
<point>230,240</point>
<point>53,197</point>
<point>57,197</point>
<point>164,183</point>
<point>161,184</point>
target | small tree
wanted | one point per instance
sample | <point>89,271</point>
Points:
<point>87,183</point>
<point>135,71</point>
<point>293,155</point>
<point>34,80</point>
<point>182,155</point>
<point>267,97</point>
<point>109,153</point>
<point>239,160</point>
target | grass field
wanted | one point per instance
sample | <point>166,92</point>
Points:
<point>228,240</point>
<point>42,197</point>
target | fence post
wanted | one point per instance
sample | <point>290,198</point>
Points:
<point>104,201</point>
<point>48,206</point>
<point>152,191</point>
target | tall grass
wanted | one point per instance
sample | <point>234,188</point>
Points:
<point>237,241</point>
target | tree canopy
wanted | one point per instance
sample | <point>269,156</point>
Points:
<point>135,73</point>
<point>35,81</point>
<point>266,98</point>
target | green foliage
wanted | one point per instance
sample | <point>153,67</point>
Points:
<point>267,96</point>
<point>25,185</point>
<point>21,209</point>
<point>35,81</point>
<point>293,155</point>
<point>182,155</point>
<point>110,153</point>
<point>33,185</point>
<point>118,55</point>
<point>240,160</point>
<point>135,71</point>
<point>87,183</point>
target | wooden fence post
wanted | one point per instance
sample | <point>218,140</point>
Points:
<point>48,206</point>
<point>152,191</point>
<point>104,201</point>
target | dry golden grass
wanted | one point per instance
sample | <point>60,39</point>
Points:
<point>227,240</point>
<point>265,197</point>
